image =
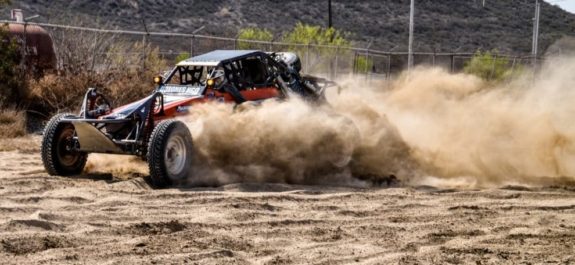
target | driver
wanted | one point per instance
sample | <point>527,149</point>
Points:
<point>218,77</point>
<point>220,84</point>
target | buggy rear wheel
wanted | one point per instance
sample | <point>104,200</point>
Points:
<point>169,153</point>
<point>58,154</point>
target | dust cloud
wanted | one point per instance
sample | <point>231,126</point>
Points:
<point>476,133</point>
<point>292,142</point>
<point>426,128</point>
<point>120,166</point>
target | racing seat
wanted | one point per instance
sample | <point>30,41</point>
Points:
<point>255,72</point>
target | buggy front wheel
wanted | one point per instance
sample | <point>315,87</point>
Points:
<point>58,154</point>
<point>169,153</point>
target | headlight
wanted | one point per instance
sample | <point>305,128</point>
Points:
<point>158,80</point>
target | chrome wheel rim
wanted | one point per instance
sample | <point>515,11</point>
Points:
<point>175,155</point>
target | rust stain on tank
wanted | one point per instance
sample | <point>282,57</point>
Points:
<point>39,46</point>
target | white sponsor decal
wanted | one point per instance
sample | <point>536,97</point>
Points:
<point>182,108</point>
<point>188,90</point>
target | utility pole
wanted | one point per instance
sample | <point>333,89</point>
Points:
<point>329,25</point>
<point>194,36</point>
<point>410,49</point>
<point>144,44</point>
<point>534,48</point>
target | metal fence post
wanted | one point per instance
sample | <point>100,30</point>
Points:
<point>355,68</point>
<point>493,61</point>
<point>513,65</point>
<point>192,46</point>
<point>307,59</point>
<point>335,66</point>
<point>367,64</point>
<point>388,76</point>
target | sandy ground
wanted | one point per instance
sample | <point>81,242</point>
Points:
<point>113,219</point>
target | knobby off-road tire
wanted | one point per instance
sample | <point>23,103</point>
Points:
<point>57,156</point>
<point>169,153</point>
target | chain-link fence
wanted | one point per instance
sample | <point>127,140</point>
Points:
<point>100,47</point>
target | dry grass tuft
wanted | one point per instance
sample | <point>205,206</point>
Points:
<point>52,93</point>
<point>12,123</point>
<point>26,144</point>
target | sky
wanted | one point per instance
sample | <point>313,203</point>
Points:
<point>568,5</point>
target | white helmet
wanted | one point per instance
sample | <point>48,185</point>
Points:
<point>291,59</point>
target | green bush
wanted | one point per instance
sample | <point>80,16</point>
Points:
<point>182,56</point>
<point>11,81</point>
<point>488,66</point>
<point>253,34</point>
<point>362,64</point>
<point>307,34</point>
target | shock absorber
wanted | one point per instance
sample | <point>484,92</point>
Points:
<point>148,128</point>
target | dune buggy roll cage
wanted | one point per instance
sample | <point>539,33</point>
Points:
<point>128,128</point>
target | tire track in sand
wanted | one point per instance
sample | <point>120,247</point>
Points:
<point>100,218</point>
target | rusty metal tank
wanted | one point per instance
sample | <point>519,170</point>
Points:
<point>40,55</point>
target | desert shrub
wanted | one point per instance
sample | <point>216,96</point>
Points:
<point>253,34</point>
<point>122,69</point>
<point>81,51</point>
<point>58,93</point>
<point>127,76</point>
<point>132,57</point>
<point>488,66</point>
<point>12,123</point>
<point>131,78</point>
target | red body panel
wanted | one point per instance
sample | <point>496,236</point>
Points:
<point>250,95</point>
<point>178,107</point>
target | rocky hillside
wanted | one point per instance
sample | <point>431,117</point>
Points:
<point>442,26</point>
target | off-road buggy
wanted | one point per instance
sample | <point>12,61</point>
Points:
<point>146,128</point>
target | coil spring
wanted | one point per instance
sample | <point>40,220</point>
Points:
<point>148,128</point>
